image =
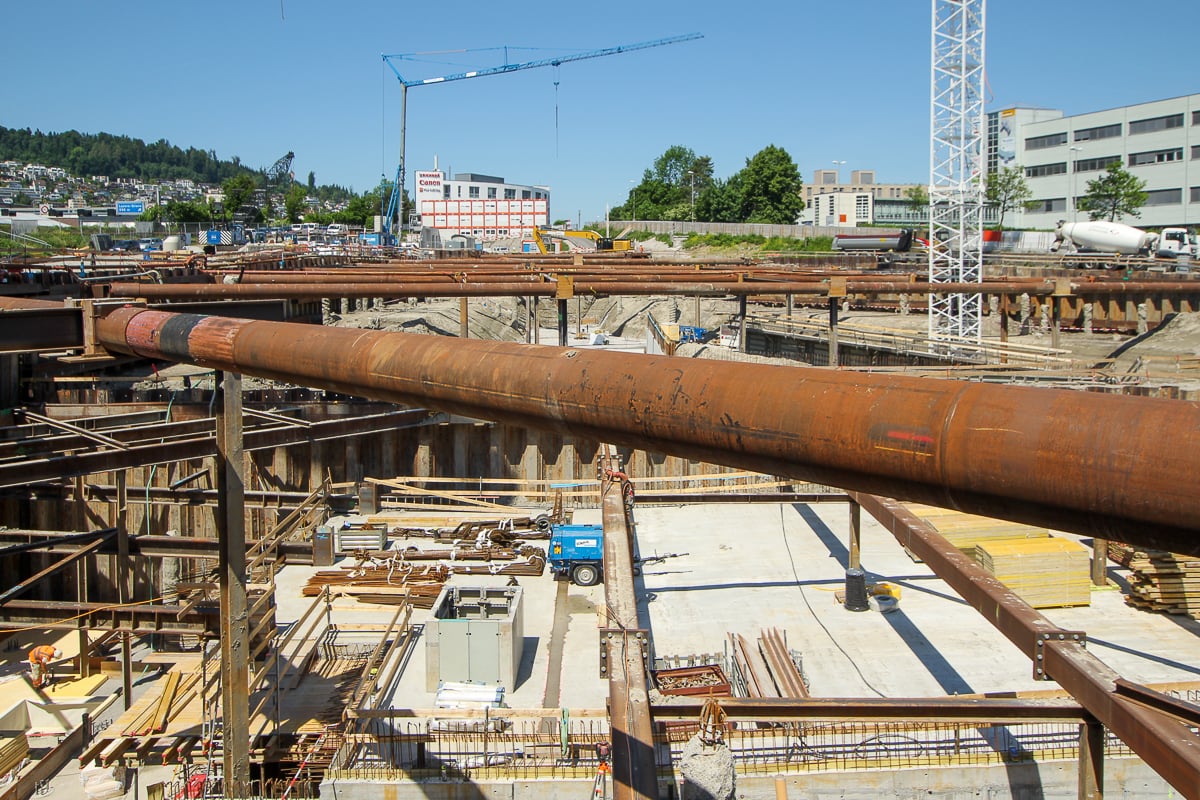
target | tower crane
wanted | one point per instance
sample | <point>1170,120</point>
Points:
<point>394,200</point>
<point>956,170</point>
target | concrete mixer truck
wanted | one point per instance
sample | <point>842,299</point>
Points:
<point>1098,236</point>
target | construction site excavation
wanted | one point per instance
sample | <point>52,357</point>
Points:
<point>614,524</point>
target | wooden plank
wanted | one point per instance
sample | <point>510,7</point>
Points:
<point>159,720</point>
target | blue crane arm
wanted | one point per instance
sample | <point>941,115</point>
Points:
<point>542,62</point>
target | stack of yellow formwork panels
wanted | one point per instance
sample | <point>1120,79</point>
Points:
<point>965,531</point>
<point>1046,573</point>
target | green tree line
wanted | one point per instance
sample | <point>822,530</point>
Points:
<point>86,154</point>
<point>681,186</point>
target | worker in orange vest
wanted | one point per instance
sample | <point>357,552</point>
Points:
<point>39,663</point>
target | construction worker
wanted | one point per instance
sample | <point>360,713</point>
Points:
<point>39,663</point>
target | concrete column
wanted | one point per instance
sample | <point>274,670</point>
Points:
<point>1143,317</point>
<point>790,304</point>
<point>1024,301</point>
<point>235,675</point>
<point>1087,317</point>
<point>905,305</point>
<point>326,311</point>
<point>531,336</point>
<point>423,462</point>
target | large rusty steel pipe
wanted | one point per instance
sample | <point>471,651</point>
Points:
<point>1115,467</point>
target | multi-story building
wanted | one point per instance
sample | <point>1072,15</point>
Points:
<point>482,206</point>
<point>829,202</point>
<point>1158,142</point>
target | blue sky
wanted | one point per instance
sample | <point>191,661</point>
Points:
<point>826,81</point>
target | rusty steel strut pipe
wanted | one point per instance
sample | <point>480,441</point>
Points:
<point>1115,467</point>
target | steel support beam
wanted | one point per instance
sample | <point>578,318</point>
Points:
<point>231,523</point>
<point>1163,739</point>
<point>24,473</point>
<point>1072,461</point>
<point>624,646</point>
<point>901,709</point>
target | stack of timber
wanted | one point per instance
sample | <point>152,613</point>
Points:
<point>13,752</point>
<point>161,721</point>
<point>767,668</point>
<point>965,531</point>
<point>1045,573</point>
<point>1160,581</point>
<point>382,584</point>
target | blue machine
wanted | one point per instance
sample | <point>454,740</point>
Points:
<point>577,551</point>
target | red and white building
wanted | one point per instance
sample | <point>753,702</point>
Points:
<point>482,206</point>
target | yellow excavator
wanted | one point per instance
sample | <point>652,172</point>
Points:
<point>585,240</point>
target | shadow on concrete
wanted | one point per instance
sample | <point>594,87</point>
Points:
<point>838,550</point>
<point>1166,662</point>
<point>929,656</point>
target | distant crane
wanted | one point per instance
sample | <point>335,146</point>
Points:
<point>282,168</point>
<point>394,200</point>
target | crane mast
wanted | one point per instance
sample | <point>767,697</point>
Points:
<point>393,204</point>
<point>957,174</point>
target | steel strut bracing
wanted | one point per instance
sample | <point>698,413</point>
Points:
<point>1090,463</point>
<point>1158,732</point>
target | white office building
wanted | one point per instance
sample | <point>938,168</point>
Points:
<point>1158,142</point>
<point>480,206</point>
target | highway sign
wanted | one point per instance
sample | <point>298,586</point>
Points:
<point>131,208</point>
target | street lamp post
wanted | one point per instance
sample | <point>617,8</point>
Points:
<point>692,173</point>
<point>1071,166</point>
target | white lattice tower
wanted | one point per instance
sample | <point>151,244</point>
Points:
<point>956,172</point>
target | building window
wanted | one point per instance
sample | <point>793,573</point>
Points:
<point>491,193</point>
<point>510,194</point>
<point>1164,197</point>
<point>1155,157</point>
<point>1156,124</point>
<point>525,194</point>
<point>473,192</point>
<point>1196,194</point>
<point>1096,164</point>
<point>1196,117</point>
<point>446,192</point>
<point>1042,170</point>
<point>829,178</point>
<point>1049,205</point>
<point>1042,142</point>
<point>1195,152</point>
<point>1101,132</point>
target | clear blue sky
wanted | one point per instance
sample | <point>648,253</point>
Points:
<point>827,81</point>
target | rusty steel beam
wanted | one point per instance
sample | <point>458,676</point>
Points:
<point>1089,463</point>
<point>1163,740</point>
<point>56,466</point>
<point>155,546</point>
<point>624,647</point>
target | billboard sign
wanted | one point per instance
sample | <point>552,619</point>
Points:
<point>429,186</point>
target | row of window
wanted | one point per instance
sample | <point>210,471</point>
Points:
<point>1101,163</point>
<point>509,194</point>
<point>1155,197</point>
<point>1151,125</point>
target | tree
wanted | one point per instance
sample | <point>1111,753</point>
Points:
<point>1114,194</point>
<point>770,188</point>
<point>293,202</point>
<point>917,197</point>
<point>312,181</point>
<point>237,191</point>
<point>1007,190</point>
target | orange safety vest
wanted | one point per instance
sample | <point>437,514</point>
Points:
<point>41,653</point>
